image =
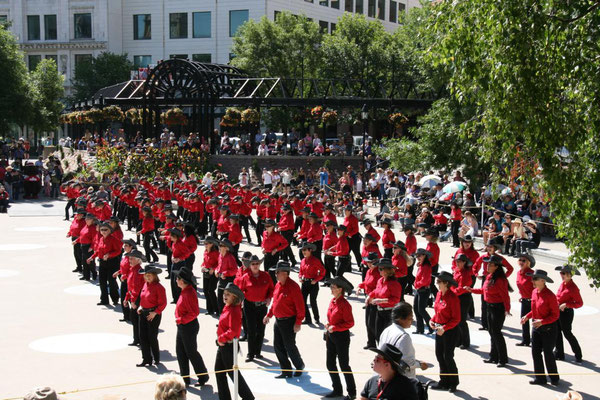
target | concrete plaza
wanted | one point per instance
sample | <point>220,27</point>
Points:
<point>53,334</point>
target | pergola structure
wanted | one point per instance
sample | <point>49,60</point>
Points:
<point>202,87</point>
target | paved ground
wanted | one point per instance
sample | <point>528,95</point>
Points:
<point>52,333</point>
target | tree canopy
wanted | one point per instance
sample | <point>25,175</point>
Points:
<point>47,91</point>
<point>105,70</point>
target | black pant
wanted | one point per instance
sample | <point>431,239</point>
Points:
<point>343,265</point>
<point>432,286</point>
<point>150,254</point>
<point>420,307</point>
<point>454,228</point>
<point>285,344</point>
<point>495,317</point>
<point>271,261</point>
<point>383,319</point>
<point>444,352</point>
<point>209,287</point>
<point>388,253</point>
<point>132,217</point>
<point>329,264</point>
<point>70,204</point>
<point>224,361</point>
<point>186,347</point>
<point>287,253</point>
<point>220,289</point>
<point>169,262</point>
<point>176,290</point>
<point>135,323</point>
<point>149,338</point>
<point>189,262</point>
<point>260,228</point>
<point>245,225</point>
<point>371,324</point>
<point>77,256</point>
<point>313,290</point>
<point>107,282</point>
<point>255,327</point>
<point>525,309</point>
<point>466,300</point>
<point>338,347</point>
<point>123,293</point>
<point>543,339</point>
<point>354,244</point>
<point>88,269</point>
<point>565,322</point>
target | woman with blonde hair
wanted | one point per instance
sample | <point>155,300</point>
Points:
<point>170,387</point>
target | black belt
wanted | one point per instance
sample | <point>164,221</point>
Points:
<point>285,318</point>
<point>306,279</point>
<point>257,303</point>
<point>148,310</point>
<point>384,308</point>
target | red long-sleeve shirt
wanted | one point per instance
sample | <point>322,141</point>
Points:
<point>304,228</point>
<point>274,241</point>
<point>568,293</point>
<point>210,259</point>
<point>480,263</point>
<point>76,227</point>
<point>235,234</point>
<point>87,234</point>
<point>463,278</point>
<point>423,277</point>
<point>230,323</point>
<point>227,265</point>
<point>286,223</point>
<point>329,240</point>
<point>370,283</point>
<point>315,233</point>
<point>257,288</point>
<point>311,268</point>
<point>147,224</point>
<point>124,268</point>
<point>434,249</point>
<point>329,217</point>
<point>373,232</point>
<point>351,223</point>
<point>287,301</point>
<point>339,315</point>
<point>389,289</point>
<point>187,308</point>
<point>388,239</point>
<point>544,306</point>
<point>117,234</point>
<point>342,248</point>
<point>411,244</point>
<point>471,254</point>
<point>496,292</point>
<point>135,283</point>
<point>372,248</point>
<point>400,264</point>
<point>153,295</point>
<point>180,249</point>
<point>524,283</point>
<point>107,245</point>
<point>447,310</point>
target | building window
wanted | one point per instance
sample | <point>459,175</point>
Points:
<point>142,61</point>
<point>50,32</point>
<point>33,27</point>
<point>381,9</point>
<point>82,58</point>
<point>371,9</point>
<point>34,60</point>
<point>52,57</point>
<point>180,56</point>
<point>204,58</point>
<point>3,19</point>
<point>335,4</point>
<point>358,6</point>
<point>275,14</point>
<point>83,26</point>
<point>332,27</point>
<point>324,25</point>
<point>349,5</point>
<point>178,26</point>
<point>142,27</point>
<point>393,11</point>
<point>324,2</point>
<point>401,8</point>
<point>202,24</point>
<point>231,56</point>
<point>236,19</point>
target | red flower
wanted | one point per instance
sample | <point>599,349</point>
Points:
<point>170,165</point>
<point>120,164</point>
<point>183,165</point>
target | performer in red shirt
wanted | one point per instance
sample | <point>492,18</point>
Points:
<point>108,251</point>
<point>367,286</point>
<point>329,242</point>
<point>287,228</point>
<point>369,246</point>
<point>288,310</point>
<point>462,276</point>
<point>455,219</point>
<point>180,253</point>
<point>135,283</point>
<point>311,272</point>
<point>147,233</point>
<point>422,284</point>
<point>385,296</point>
<point>525,286</point>
<point>226,270</point>
<point>341,251</point>
<point>273,243</point>
<point>544,316</point>
<point>186,318</point>
<point>495,293</point>
<point>337,337</point>
<point>152,301</point>
<point>210,263</point>
<point>229,328</point>
<point>352,233</point>
<point>123,275</point>
<point>466,247</point>
<point>411,240</point>
<point>368,224</point>
<point>388,239</point>
<point>235,234</point>
<point>258,288</point>
<point>74,232</point>
<point>445,324</point>
<point>87,238</point>
<point>432,237</point>
<point>569,299</point>
<point>401,261</point>
<point>315,234</point>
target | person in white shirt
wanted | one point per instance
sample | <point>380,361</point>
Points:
<point>244,178</point>
<point>275,178</point>
<point>207,180</point>
<point>267,179</point>
<point>286,177</point>
<point>396,335</point>
<point>438,191</point>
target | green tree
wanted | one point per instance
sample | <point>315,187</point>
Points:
<point>15,97</point>
<point>531,69</point>
<point>403,154</point>
<point>105,70</point>
<point>47,90</point>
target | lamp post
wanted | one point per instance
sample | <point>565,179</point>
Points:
<point>364,114</point>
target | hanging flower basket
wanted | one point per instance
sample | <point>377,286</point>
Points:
<point>232,118</point>
<point>397,120</point>
<point>133,116</point>
<point>251,116</point>
<point>316,112</point>
<point>174,116</point>
<point>95,115</point>
<point>113,113</point>
<point>330,117</point>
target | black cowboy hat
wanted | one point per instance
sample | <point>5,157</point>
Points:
<point>210,239</point>
<point>281,266</point>
<point>331,223</point>
<point>342,227</point>
<point>391,354</point>
<point>171,216</point>
<point>255,259</point>
<point>400,244</point>
<point>81,211</point>
<point>286,207</point>
<point>235,290</point>
<point>187,276</point>
<point>342,282</point>
<point>349,208</point>
<point>387,221</point>
<point>463,257</point>
<point>541,274</point>
<point>146,209</point>
<point>567,268</point>
<point>90,216</point>
<point>130,242</point>
<point>371,257</point>
<point>169,206</point>
<point>329,207</point>
<point>226,243</point>
<point>106,225</point>
<point>446,277</point>
<point>175,232</point>
<point>385,263</point>
<point>114,219</point>
<point>496,242</point>
<point>424,252</point>
<point>432,232</point>
<point>305,209</point>
<point>150,269</point>
<point>530,258</point>
<point>313,215</point>
<point>270,222</point>
<point>409,227</point>
<point>308,245</point>
<point>467,238</point>
<point>369,237</point>
<point>366,222</point>
<point>137,254</point>
<point>234,216</point>
<point>494,259</point>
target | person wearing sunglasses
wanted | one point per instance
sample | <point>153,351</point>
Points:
<point>569,299</point>
<point>108,251</point>
<point>544,315</point>
<point>422,284</point>
<point>385,296</point>
<point>390,382</point>
<point>525,286</point>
